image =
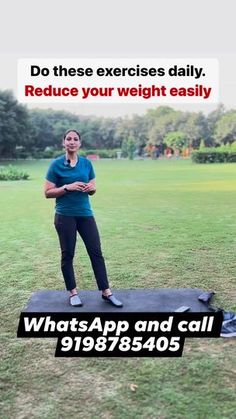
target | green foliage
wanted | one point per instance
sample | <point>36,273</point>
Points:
<point>195,128</point>
<point>228,147</point>
<point>51,153</point>
<point>130,148</point>
<point>12,173</point>
<point>57,153</point>
<point>176,139</point>
<point>102,153</point>
<point>124,148</point>
<point>225,131</point>
<point>32,133</point>
<point>202,145</point>
<point>214,155</point>
<point>47,153</point>
<point>165,120</point>
<point>21,152</point>
<point>14,124</point>
<point>212,119</point>
<point>161,121</point>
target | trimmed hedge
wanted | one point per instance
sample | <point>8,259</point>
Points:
<point>12,173</point>
<point>214,155</point>
<point>58,153</point>
<point>102,153</point>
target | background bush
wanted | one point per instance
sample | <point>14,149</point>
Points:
<point>214,155</point>
<point>12,173</point>
<point>103,153</point>
<point>51,153</point>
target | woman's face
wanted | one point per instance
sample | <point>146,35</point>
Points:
<point>72,142</point>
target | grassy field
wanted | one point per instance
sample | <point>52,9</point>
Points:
<point>162,224</point>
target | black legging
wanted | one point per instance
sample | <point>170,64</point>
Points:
<point>67,227</point>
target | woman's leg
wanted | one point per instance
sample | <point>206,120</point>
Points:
<point>88,231</point>
<point>66,230</point>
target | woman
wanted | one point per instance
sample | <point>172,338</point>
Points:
<point>70,179</point>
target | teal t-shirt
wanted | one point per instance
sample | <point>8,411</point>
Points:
<point>73,203</point>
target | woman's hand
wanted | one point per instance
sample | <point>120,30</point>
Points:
<point>51,191</point>
<point>76,186</point>
<point>90,188</point>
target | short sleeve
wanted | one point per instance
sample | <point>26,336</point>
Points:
<point>91,172</point>
<point>51,174</point>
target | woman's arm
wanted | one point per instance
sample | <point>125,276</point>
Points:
<point>51,191</point>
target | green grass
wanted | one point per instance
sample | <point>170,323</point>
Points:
<point>162,224</point>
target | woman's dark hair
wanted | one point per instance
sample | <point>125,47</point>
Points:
<point>73,130</point>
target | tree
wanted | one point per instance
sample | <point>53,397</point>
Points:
<point>130,148</point>
<point>123,129</point>
<point>107,130</point>
<point>225,131</point>
<point>48,127</point>
<point>161,121</point>
<point>212,120</point>
<point>14,124</point>
<point>91,134</point>
<point>41,130</point>
<point>196,128</point>
<point>124,148</point>
<point>176,140</point>
<point>138,130</point>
